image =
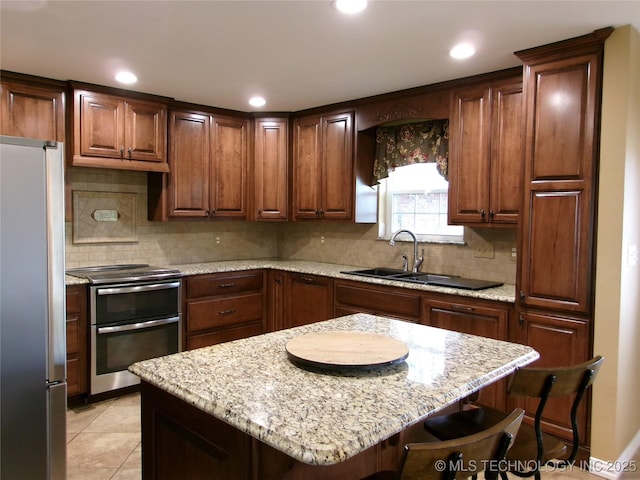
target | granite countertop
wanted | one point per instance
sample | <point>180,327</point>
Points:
<point>323,418</point>
<point>504,293</point>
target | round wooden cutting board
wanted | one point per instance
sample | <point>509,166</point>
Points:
<point>346,349</point>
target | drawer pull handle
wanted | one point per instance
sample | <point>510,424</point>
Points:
<point>462,308</point>
<point>226,285</point>
<point>308,280</point>
<point>227,312</point>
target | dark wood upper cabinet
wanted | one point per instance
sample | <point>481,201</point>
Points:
<point>189,161</point>
<point>228,172</point>
<point>562,92</point>
<point>117,132</point>
<point>32,111</point>
<point>271,169</point>
<point>323,183</point>
<point>208,161</point>
<point>485,181</point>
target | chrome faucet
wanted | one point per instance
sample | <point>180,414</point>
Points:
<point>417,261</point>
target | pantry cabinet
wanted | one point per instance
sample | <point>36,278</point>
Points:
<point>32,111</point>
<point>271,169</point>
<point>485,159</point>
<point>221,307</point>
<point>323,182</point>
<point>555,277</point>
<point>111,131</point>
<point>77,345</point>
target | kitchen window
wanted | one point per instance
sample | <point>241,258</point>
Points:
<point>415,197</point>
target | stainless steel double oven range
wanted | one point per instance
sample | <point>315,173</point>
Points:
<point>134,315</point>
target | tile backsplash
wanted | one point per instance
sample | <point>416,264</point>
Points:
<point>179,242</point>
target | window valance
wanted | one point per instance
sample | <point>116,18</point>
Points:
<point>420,142</point>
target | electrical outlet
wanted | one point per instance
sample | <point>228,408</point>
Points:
<point>322,239</point>
<point>485,251</point>
<point>217,240</point>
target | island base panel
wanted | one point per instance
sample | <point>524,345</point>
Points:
<point>181,441</point>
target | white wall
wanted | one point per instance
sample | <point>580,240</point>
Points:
<point>616,416</point>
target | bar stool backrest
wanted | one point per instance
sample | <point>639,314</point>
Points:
<point>463,456</point>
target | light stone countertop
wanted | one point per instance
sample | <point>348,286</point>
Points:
<point>504,293</point>
<point>323,418</point>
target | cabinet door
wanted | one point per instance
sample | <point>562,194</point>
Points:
<point>561,98</point>
<point>506,152</point>
<point>271,169</point>
<point>228,172</point>
<point>307,168</point>
<point>308,299</point>
<point>337,165</point>
<point>475,318</point>
<point>101,125</point>
<point>561,341</point>
<point>32,112</point>
<point>77,330</point>
<point>275,300</point>
<point>189,161</point>
<point>146,131</point>
<point>469,151</point>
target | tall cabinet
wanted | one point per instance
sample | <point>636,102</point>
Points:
<point>562,97</point>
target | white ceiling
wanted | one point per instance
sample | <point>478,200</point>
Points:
<point>298,54</point>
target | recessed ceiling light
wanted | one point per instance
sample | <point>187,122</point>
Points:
<point>126,77</point>
<point>350,6</point>
<point>462,50</point>
<point>257,102</point>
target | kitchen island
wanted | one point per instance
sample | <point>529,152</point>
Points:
<point>244,410</point>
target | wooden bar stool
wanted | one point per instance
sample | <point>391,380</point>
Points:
<point>533,448</point>
<point>482,451</point>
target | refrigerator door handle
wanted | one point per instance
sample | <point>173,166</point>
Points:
<point>57,343</point>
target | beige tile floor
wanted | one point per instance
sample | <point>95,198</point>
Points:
<point>103,440</point>
<point>103,443</point>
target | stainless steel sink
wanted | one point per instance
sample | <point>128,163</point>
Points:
<point>425,278</point>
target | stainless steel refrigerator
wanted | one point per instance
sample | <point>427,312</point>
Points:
<point>32,311</point>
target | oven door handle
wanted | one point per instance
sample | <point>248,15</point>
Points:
<point>137,288</point>
<point>137,326</point>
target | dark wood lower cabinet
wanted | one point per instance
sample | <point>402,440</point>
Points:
<point>307,299</point>
<point>476,317</point>
<point>77,344</point>
<point>561,341</point>
<point>181,441</point>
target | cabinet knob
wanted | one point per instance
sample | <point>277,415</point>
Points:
<point>522,296</point>
<point>521,320</point>
<point>129,150</point>
<point>121,152</point>
<point>491,213</point>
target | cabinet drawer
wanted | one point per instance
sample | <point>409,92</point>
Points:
<point>221,312</point>
<point>224,335</point>
<point>378,300</point>
<point>210,285</point>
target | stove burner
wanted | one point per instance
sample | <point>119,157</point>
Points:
<point>103,274</point>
